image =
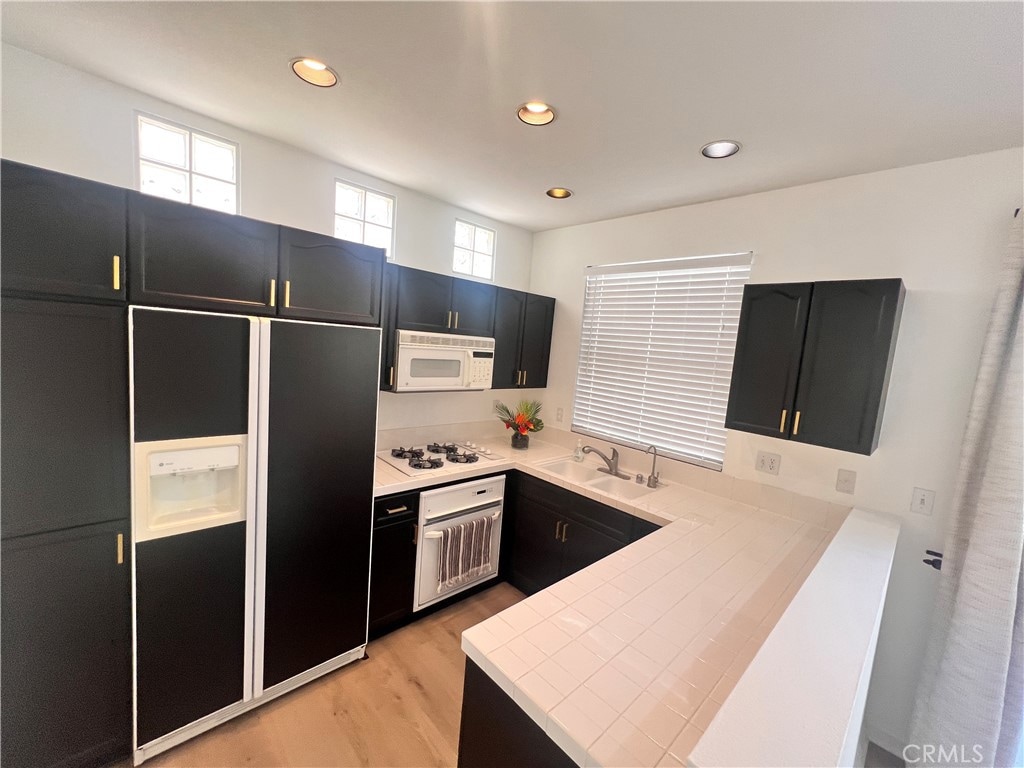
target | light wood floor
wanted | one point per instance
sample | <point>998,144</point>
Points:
<point>400,707</point>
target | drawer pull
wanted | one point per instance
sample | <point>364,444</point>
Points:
<point>396,510</point>
<point>782,424</point>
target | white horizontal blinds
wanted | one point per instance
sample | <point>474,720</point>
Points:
<point>656,354</point>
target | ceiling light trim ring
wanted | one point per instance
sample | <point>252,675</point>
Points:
<point>314,72</point>
<point>720,148</point>
<point>535,113</point>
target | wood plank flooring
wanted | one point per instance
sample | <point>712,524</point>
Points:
<point>400,707</point>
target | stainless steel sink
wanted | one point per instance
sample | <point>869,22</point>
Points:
<point>574,471</point>
<point>625,489</point>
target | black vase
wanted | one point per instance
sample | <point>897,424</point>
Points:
<point>520,442</point>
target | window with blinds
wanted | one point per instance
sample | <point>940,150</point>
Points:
<point>656,354</point>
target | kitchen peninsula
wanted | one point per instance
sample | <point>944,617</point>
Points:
<point>678,648</point>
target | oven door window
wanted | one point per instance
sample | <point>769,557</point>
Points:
<point>436,369</point>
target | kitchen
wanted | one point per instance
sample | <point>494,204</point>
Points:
<point>915,222</point>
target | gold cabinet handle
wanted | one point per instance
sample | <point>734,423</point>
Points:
<point>782,423</point>
<point>273,292</point>
<point>449,318</point>
<point>796,423</point>
<point>524,378</point>
<point>396,510</point>
<point>415,533</point>
<point>565,529</point>
<point>558,529</point>
<point>456,319</point>
<point>117,272</point>
<point>120,549</point>
<point>391,376</point>
<point>287,293</point>
<point>519,376</point>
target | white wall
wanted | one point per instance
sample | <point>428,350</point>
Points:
<point>941,227</point>
<point>57,117</point>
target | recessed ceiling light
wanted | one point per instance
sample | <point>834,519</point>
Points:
<point>536,113</point>
<point>314,72</point>
<point>720,148</point>
<point>559,193</point>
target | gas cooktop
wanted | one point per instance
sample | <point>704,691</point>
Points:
<point>425,459</point>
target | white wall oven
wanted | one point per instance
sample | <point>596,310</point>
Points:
<point>459,538</point>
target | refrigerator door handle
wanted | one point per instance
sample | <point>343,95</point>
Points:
<point>262,388</point>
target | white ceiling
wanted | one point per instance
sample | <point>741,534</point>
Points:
<point>429,90</point>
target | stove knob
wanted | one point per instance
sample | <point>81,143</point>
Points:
<point>485,451</point>
<point>470,445</point>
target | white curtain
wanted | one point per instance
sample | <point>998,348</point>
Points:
<point>970,703</point>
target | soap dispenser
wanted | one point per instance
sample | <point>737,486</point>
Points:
<point>577,455</point>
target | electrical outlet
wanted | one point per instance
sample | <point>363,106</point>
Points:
<point>558,415</point>
<point>846,479</point>
<point>768,462</point>
<point>922,501</point>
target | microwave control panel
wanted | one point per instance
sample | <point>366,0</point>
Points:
<point>480,372</point>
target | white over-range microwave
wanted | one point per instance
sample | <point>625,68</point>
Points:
<point>440,362</point>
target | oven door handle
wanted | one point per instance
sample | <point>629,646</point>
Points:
<point>464,511</point>
<point>437,534</point>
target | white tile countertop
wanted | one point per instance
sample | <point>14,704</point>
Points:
<point>670,651</point>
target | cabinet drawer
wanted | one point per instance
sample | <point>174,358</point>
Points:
<point>398,507</point>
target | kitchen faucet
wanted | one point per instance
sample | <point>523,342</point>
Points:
<point>613,462</point>
<point>652,479</point>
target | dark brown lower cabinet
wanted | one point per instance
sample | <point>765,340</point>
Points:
<point>66,657</point>
<point>558,532</point>
<point>393,562</point>
<point>496,733</point>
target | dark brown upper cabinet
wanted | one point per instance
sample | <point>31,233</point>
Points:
<point>194,258</point>
<point>813,361</point>
<point>522,339</point>
<point>427,301</point>
<point>62,236</point>
<point>322,278</point>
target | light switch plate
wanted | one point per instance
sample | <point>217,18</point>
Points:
<point>922,501</point>
<point>846,480</point>
<point>768,462</point>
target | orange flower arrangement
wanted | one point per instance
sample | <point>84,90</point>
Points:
<point>524,419</point>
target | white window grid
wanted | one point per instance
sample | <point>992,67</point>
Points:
<point>363,215</point>
<point>184,164</point>
<point>656,352</point>
<point>474,252</point>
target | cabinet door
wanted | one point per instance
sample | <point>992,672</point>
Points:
<point>64,415</point>
<point>392,574</point>
<point>388,325</point>
<point>424,301</point>
<point>537,322</point>
<point>321,432</point>
<point>585,546</point>
<point>186,256</point>
<point>473,305</point>
<point>61,235</point>
<point>66,662</point>
<point>191,374</point>
<point>508,329</point>
<point>537,551</point>
<point>851,338</point>
<point>190,627</point>
<point>767,360</point>
<point>323,278</point>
